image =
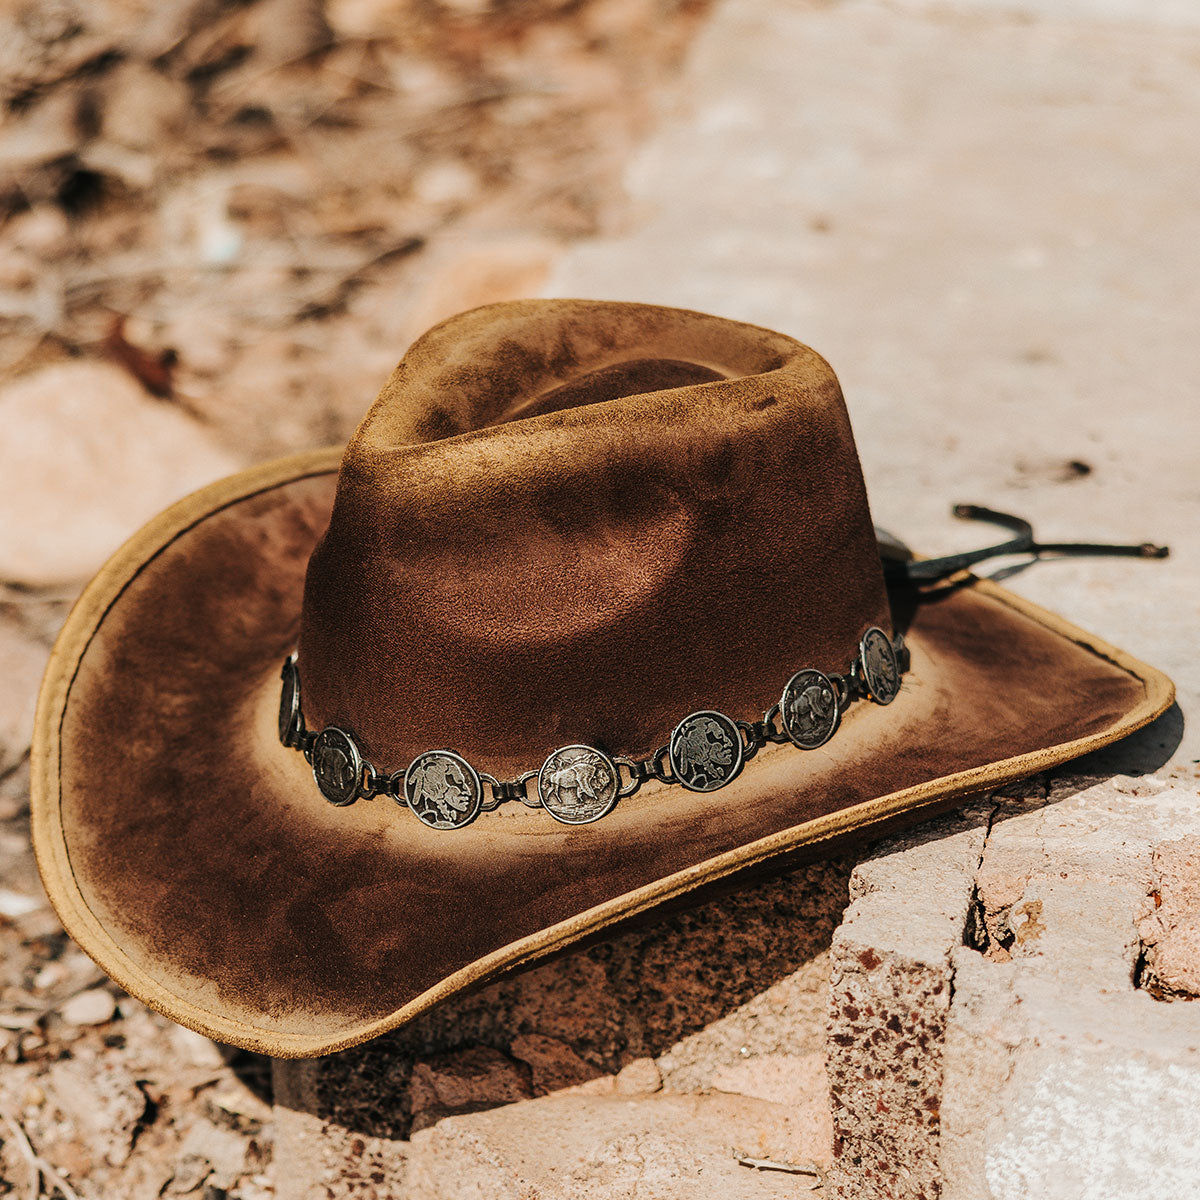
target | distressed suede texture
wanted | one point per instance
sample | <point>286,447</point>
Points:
<point>576,522</point>
<point>590,564</point>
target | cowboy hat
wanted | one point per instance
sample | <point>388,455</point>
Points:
<point>589,613</point>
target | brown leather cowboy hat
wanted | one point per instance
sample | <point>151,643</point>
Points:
<point>592,613</point>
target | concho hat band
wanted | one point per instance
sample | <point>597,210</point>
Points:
<point>589,614</point>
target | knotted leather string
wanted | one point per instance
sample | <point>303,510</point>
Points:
<point>929,570</point>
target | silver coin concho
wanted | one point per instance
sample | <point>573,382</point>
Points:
<point>289,702</point>
<point>706,751</point>
<point>337,766</point>
<point>809,708</point>
<point>443,789</point>
<point>880,670</point>
<point>578,784</point>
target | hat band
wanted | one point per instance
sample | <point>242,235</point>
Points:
<point>578,784</point>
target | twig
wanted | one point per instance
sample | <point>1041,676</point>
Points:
<point>31,1159</point>
<point>771,1164</point>
<point>338,296</point>
<point>38,1166</point>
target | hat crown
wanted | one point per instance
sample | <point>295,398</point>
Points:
<point>575,521</point>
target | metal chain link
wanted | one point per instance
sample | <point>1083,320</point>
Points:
<point>451,790</point>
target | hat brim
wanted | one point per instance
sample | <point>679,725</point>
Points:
<point>194,859</point>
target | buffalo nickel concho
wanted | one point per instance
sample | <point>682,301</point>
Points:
<point>880,668</point>
<point>809,708</point>
<point>336,766</point>
<point>578,784</point>
<point>443,789</point>
<point>289,702</point>
<point>706,751</point>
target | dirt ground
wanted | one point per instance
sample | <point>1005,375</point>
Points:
<point>241,213</point>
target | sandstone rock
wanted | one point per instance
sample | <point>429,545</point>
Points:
<point>86,458</point>
<point>795,1080</point>
<point>572,1147</point>
<point>640,1077</point>
<point>552,1063</point>
<point>889,1004</point>
<point>1173,963</point>
<point>89,1008</point>
<point>477,1075</point>
<point>1177,871</point>
<point>463,1081</point>
<point>1170,929</point>
<point>1061,1078</point>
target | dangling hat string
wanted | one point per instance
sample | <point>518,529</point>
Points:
<point>928,570</point>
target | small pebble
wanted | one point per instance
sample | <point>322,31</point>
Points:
<point>639,1077</point>
<point>50,976</point>
<point>89,1008</point>
<point>196,1049</point>
<point>15,904</point>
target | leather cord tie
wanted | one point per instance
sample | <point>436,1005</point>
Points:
<point>930,570</point>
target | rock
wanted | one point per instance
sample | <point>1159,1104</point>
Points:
<point>1177,870</point>
<point>795,1080</point>
<point>288,30</point>
<point>89,1008</point>
<point>99,1100</point>
<point>1173,964</point>
<point>1170,929</point>
<point>321,1149</point>
<point>798,1083</point>
<point>1056,1047</point>
<point>446,183</point>
<point>45,134</point>
<point>42,230</point>
<point>889,1002</point>
<point>88,457</point>
<point>552,1063</point>
<point>142,107</point>
<point>573,1147</point>
<point>956,1062</point>
<point>209,1153</point>
<point>463,1080</point>
<point>640,1077</point>
<point>195,1049</point>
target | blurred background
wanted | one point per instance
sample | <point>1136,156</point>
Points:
<point>223,221</point>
